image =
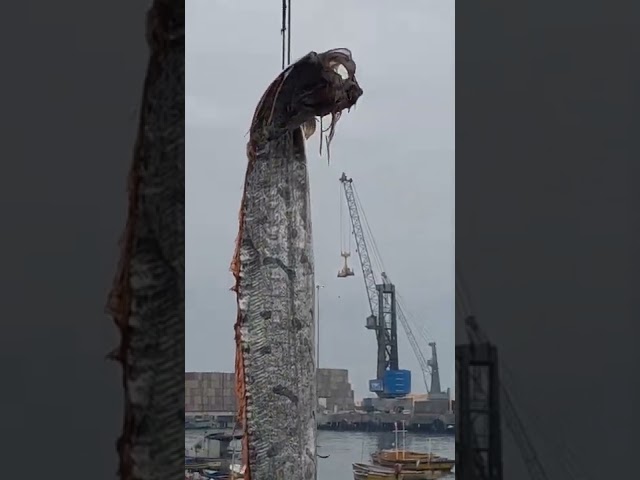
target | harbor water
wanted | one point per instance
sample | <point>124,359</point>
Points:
<point>345,448</point>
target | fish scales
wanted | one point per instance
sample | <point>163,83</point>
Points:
<point>274,269</point>
<point>277,332</point>
<point>147,299</point>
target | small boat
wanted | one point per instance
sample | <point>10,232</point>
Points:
<point>407,454</point>
<point>363,471</point>
<point>413,461</point>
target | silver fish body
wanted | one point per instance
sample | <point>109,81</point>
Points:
<point>274,270</point>
<point>147,299</point>
<point>276,300</point>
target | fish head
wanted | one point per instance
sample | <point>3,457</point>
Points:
<point>315,86</point>
<point>351,94</point>
<point>333,90</point>
<point>341,89</point>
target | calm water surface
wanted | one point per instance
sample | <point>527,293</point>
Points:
<point>345,448</point>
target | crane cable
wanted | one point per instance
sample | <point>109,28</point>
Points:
<point>285,31</point>
<point>346,232</point>
<point>341,218</point>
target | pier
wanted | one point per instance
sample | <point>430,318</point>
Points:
<point>352,421</point>
<point>210,403</point>
<point>380,421</point>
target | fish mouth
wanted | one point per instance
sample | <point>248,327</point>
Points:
<point>337,88</point>
<point>315,86</point>
<point>340,68</point>
<point>335,91</point>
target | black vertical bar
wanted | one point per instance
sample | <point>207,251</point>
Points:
<point>289,33</point>
<point>283,30</point>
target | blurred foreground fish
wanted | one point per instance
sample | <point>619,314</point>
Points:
<point>147,299</point>
<point>274,272</point>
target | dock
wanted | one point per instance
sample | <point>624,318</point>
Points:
<point>210,399</point>
<point>380,421</point>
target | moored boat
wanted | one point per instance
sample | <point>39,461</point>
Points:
<point>363,471</point>
<point>407,454</point>
<point>412,461</point>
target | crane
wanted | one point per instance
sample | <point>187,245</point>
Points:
<point>385,312</point>
<point>509,413</point>
<point>478,341</point>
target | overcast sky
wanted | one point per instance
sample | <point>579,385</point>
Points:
<point>398,145</point>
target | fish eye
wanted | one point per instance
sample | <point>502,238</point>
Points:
<point>342,71</point>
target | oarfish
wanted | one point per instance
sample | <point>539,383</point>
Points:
<point>147,299</point>
<point>274,270</point>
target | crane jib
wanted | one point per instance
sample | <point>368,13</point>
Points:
<point>384,310</point>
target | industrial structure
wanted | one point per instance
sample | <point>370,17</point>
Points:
<point>386,312</point>
<point>483,404</point>
<point>478,436</point>
<point>206,392</point>
<point>214,393</point>
<point>210,402</point>
<point>334,390</point>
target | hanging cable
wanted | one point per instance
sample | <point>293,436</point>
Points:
<point>341,220</point>
<point>288,32</point>
<point>285,32</point>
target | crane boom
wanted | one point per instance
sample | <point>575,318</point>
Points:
<point>382,303</point>
<point>361,245</point>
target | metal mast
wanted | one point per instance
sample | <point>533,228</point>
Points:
<point>481,403</point>
<point>478,432</point>
<point>435,374</point>
<point>382,301</point>
<point>361,245</point>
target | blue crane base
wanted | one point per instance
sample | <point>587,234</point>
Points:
<point>396,383</point>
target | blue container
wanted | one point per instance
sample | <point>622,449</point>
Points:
<point>397,382</point>
<point>376,386</point>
